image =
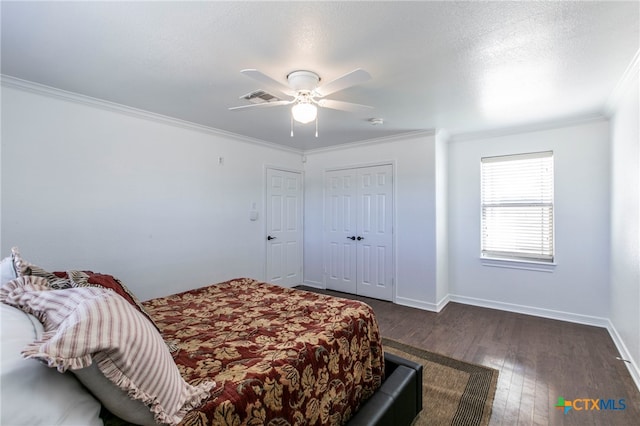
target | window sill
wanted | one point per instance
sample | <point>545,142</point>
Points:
<point>529,265</point>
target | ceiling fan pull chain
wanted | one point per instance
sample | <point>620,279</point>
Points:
<point>292,126</point>
<point>316,126</point>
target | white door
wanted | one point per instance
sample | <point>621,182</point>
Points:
<point>359,231</point>
<point>284,227</point>
<point>375,228</point>
<point>340,230</point>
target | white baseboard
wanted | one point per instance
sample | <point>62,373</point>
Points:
<point>314,284</point>
<point>532,310</point>
<point>420,304</point>
<point>632,365</point>
<point>443,302</point>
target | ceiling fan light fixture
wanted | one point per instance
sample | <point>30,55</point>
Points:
<point>306,96</point>
<point>304,112</point>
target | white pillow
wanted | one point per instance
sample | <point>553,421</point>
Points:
<point>7,270</point>
<point>86,325</point>
<point>113,398</point>
<point>32,393</point>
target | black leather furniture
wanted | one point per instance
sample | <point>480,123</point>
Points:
<point>399,399</point>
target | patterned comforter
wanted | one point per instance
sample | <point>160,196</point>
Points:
<point>279,356</point>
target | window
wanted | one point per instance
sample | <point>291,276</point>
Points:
<point>517,207</point>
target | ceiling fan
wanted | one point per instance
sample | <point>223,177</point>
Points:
<point>305,92</point>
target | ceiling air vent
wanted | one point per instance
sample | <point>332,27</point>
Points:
<point>260,97</point>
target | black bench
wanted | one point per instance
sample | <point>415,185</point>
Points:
<point>398,400</point>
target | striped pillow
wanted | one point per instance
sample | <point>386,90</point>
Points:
<point>74,278</point>
<point>20,265</point>
<point>23,268</point>
<point>91,324</point>
<point>92,279</point>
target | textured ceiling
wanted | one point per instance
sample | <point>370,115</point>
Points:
<point>461,66</point>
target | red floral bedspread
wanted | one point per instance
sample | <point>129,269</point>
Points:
<point>279,356</point>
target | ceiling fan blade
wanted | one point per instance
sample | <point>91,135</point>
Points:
<point>262,105</point>
<point>269,82</point>
<point>352,78</point>
<point>343,106</point>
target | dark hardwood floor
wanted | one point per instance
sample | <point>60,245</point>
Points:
<point>539,360</point>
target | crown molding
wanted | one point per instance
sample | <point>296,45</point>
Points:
<point>528,128</point>
<point>385,139</point>
<point>443,134</point>
<point>632,72</point>
<point>52,92</point>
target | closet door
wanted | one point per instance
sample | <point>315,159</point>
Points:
<point>374,264</point>
<point>340,230</point>
<point>359,232</point>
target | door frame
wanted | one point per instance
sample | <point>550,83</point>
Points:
<point>394,236</point>
<point>265,182</point>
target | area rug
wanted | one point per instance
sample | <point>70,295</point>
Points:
<point>454,392</point>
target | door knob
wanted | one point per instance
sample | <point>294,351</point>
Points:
<point>351,238</point>
<point>269,238</point>
<point>360,238</point>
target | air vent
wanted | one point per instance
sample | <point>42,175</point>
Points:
<point>260,97</point>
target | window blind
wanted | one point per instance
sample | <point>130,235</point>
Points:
<point>517,206</point>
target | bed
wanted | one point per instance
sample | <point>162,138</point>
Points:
<point>275,353</point>
<point>244,353</point>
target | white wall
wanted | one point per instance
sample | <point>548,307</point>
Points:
<point>89,188</point>
<point>578,288</point>
<point>625,224</point>
<point>414,160</point>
